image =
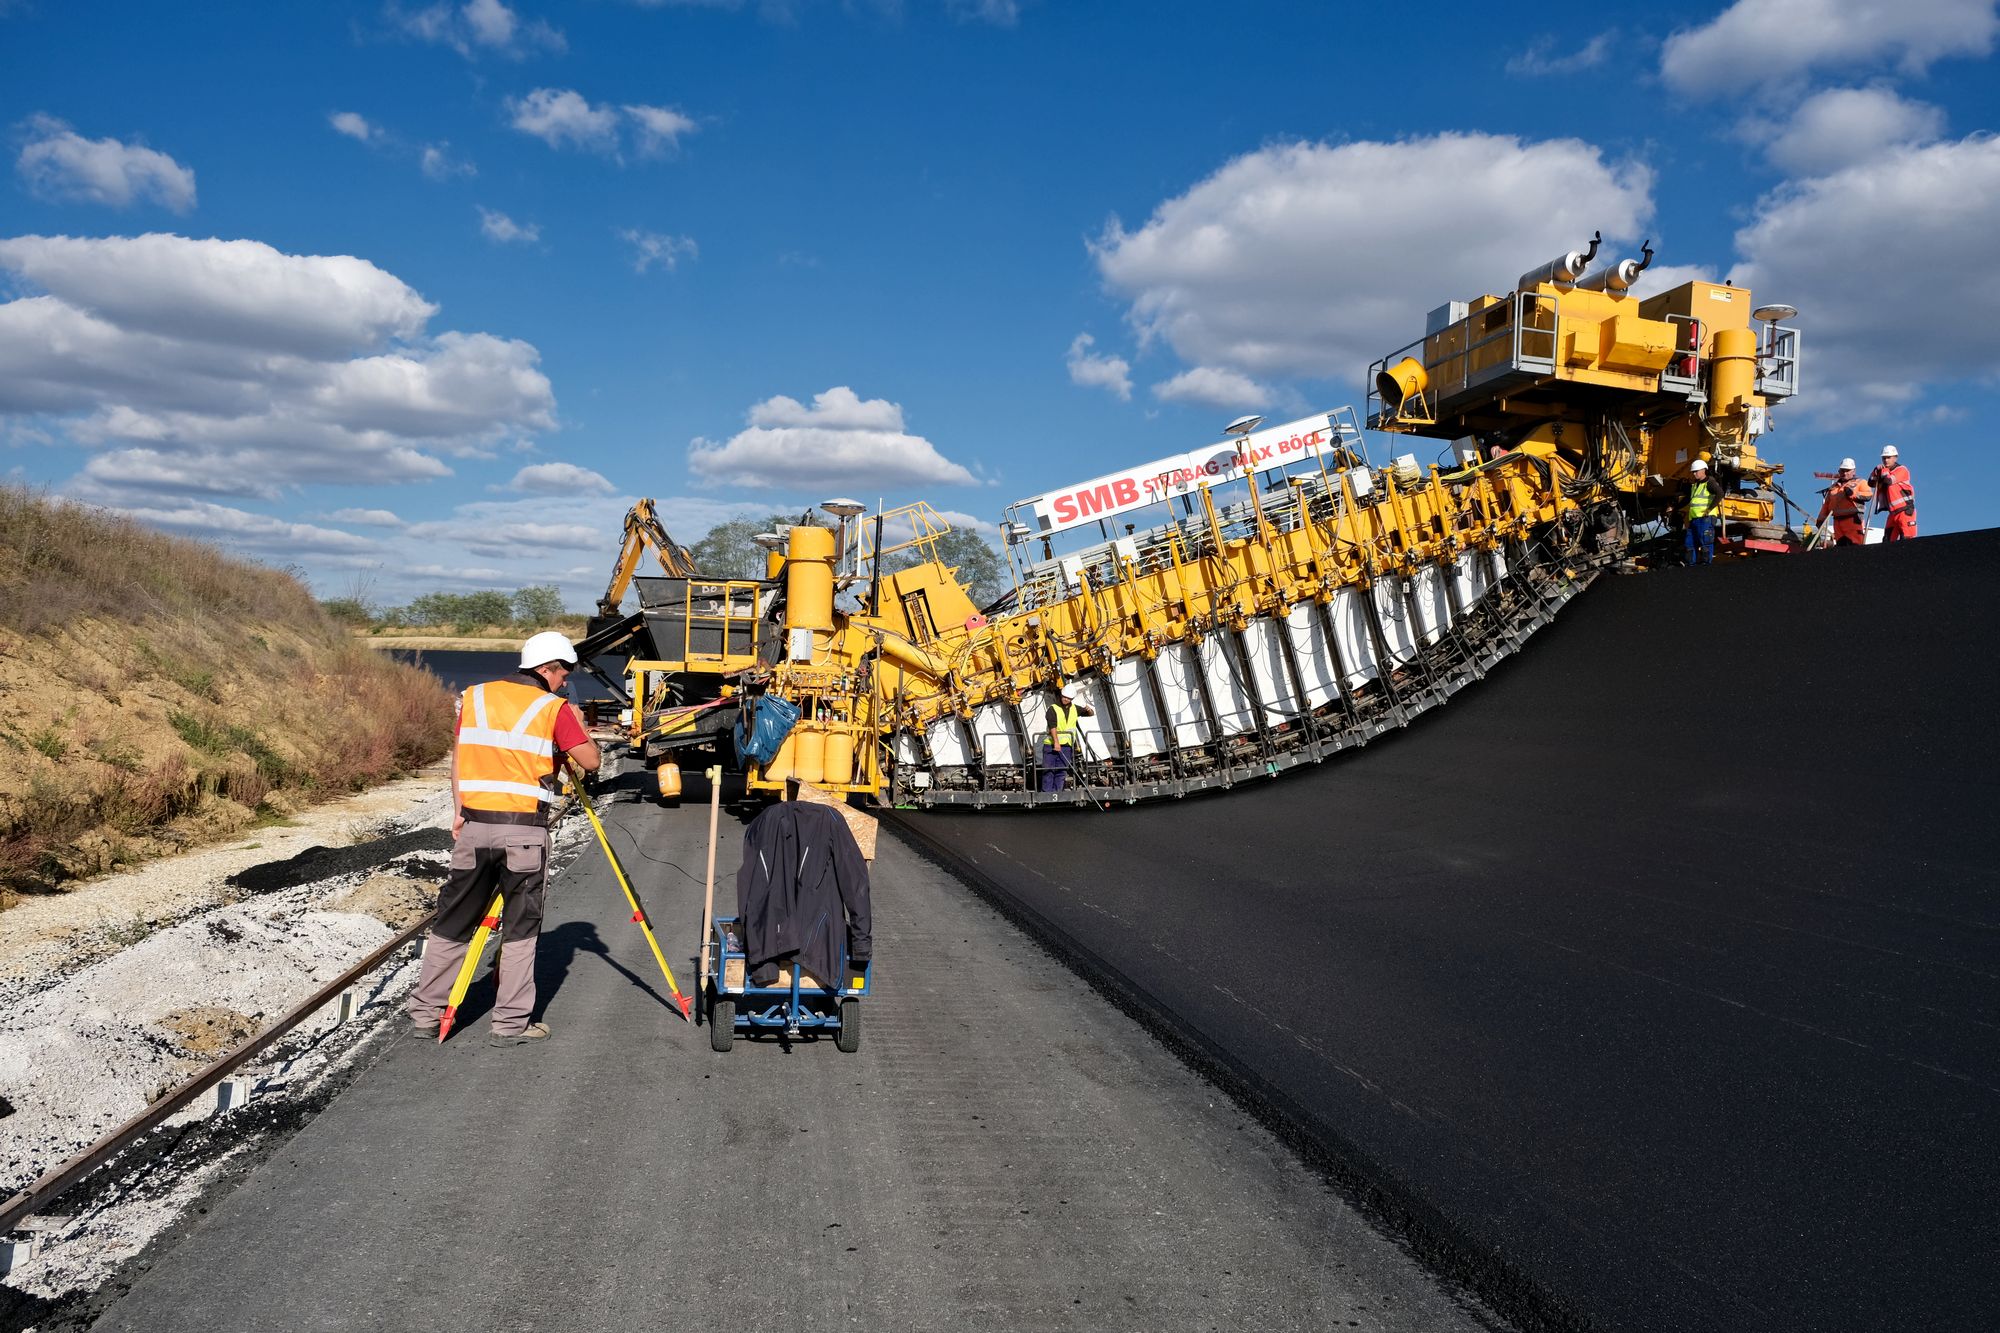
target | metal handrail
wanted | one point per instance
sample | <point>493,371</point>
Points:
<point>1778,363</point>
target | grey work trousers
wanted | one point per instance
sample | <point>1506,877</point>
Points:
<point>509,859</point>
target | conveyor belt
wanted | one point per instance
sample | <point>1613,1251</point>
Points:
<point>1653,984</point>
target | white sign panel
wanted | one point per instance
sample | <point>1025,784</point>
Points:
<point>1150,483</point>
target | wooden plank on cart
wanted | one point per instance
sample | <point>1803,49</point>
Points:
<point>859,822</point>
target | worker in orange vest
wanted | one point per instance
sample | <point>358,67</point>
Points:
<point>512,736</point>
<point>1894,496</point>
<point>1847,501</point>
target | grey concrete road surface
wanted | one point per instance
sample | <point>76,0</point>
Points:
<point>1662,969</point>
<point>1004,1152</point>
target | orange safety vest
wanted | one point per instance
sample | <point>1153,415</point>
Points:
<point>1893,490</point>
<point>506,746</point>
<point>1844,500</point>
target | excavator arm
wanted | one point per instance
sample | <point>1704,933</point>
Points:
<point>643,532</point>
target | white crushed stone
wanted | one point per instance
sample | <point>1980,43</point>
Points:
<point>82,1046</point>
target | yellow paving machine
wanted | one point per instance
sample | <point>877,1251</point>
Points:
<point>1266,601</point>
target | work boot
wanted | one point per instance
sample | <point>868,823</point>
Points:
<point>428,1031</point>
<point>532,1032</point>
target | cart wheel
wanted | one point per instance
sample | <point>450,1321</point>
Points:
<point>848,1036</point>
<point>721,1024</point>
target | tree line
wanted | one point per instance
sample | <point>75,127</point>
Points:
<point>729,551</point>
<point>537,605</point>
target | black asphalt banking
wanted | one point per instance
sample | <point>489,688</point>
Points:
<point>1005,1151</point>
<point>1652,980</point>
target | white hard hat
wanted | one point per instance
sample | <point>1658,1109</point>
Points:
<point>1847,465</point>
<point>1697,466</point>
<point>1889,451</point>
<point>548,646</point>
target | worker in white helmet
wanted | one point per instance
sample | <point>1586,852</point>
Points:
<point>1704,507</point>
<point>512,737</point>
<point>1058,750</point>
<point>1894,495</point>
<point>1847,500</point>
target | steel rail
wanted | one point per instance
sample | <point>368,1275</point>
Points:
<point>99,1153</point>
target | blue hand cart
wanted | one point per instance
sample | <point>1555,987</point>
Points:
<point>796,1004</point>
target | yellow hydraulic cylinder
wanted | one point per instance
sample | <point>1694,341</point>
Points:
<point>1734,378</point>
<point>809,580</point>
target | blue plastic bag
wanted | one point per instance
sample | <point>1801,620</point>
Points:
<point>770,722</point>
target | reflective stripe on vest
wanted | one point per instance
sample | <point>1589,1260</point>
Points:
<point>506,742</point>
<point>1701,500</point>
<point>1065,732</point>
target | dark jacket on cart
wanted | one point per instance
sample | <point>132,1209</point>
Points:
<point>802,879</point>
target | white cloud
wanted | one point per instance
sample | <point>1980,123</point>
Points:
<point>1312,259</point>
<point>842,441</point>
<point>565,118</point>
<point>561,116</point>
<point>1000,13</point>
<point>231,368</point>
<point>58,163</point>
<point>355,126</point>
<point>497,226</point>
<point>241,293</point>
<point>652,247</point>
<point>1213,386</point>
<point>1095,371</point>
<point>246,531</point>
<point>659,128</point>
<point>1540,59</point>
<point>1763,43</point>
<point>1842,126</point>
<point>439,165</point>
<point>435,159</point>
<point>1866,252</point>
<point>479,26</point>
<point>367,518</point>
<point>560,479</point>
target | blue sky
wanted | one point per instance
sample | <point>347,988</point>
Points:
<point>420,296</point>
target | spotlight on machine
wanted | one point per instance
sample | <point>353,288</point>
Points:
<point>1401,388</point>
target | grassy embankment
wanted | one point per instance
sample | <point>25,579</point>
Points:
<point>159,694</point>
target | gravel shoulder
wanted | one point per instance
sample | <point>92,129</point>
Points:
<point>115,992</point>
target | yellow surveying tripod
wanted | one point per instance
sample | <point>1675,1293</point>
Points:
<point>491,921</point>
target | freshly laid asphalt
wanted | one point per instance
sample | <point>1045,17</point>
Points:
<point>1653,981</point>
<point>1006,1151</point>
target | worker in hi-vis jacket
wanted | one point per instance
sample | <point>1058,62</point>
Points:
<point>1847,500</point>
<point>512,737</point>
<point>1059,741</point>
<point>1895,496</point>
<point>1704,502</point>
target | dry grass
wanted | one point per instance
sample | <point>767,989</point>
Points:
<point>160,692</point>
<point>61,562</point>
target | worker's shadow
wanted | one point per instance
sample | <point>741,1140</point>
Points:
<point>558,951</point>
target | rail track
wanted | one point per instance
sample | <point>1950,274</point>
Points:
<point>45,1191</point>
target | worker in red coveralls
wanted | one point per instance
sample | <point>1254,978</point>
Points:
<point>1847,500</point>
<point>512,737</point>
<point>1894,496</point>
